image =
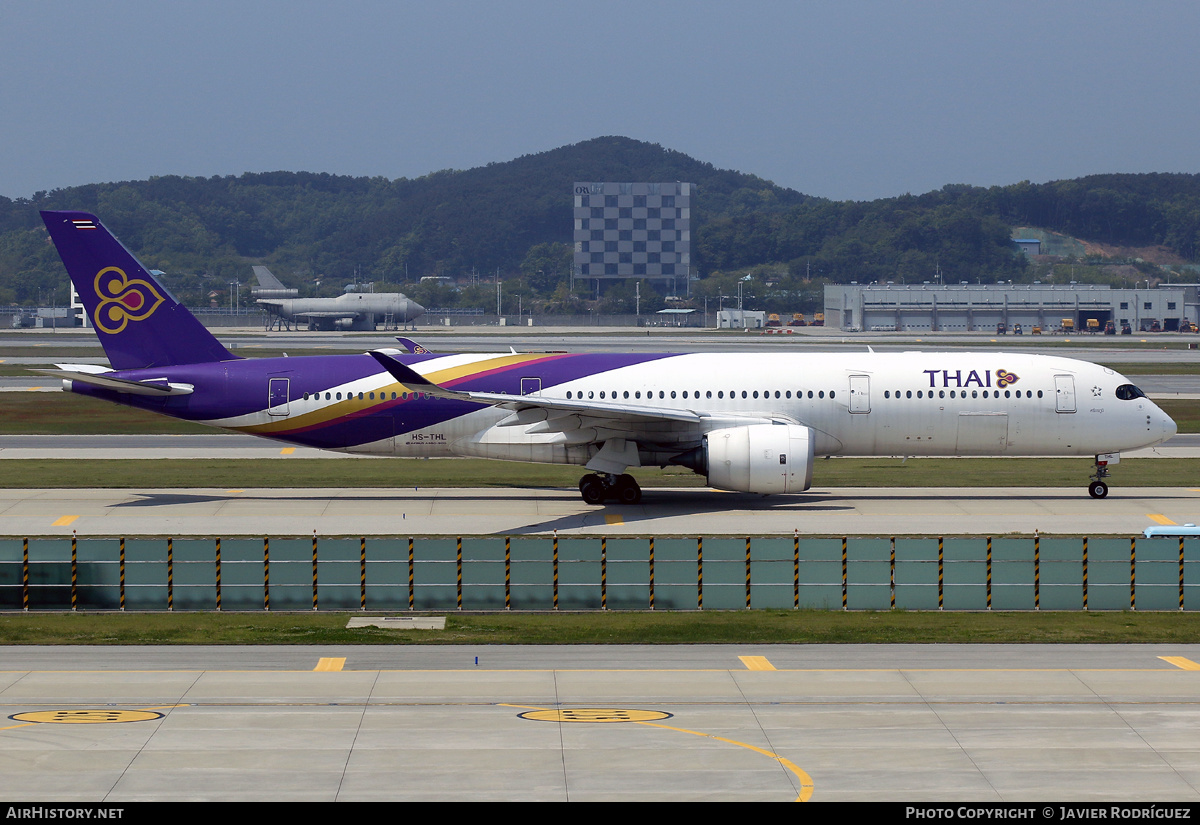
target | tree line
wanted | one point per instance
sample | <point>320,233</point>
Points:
<point>513,221</point>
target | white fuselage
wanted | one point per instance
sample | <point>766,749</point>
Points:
<point>864,404</point>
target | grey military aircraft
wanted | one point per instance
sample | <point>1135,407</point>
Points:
<point>350,311</point>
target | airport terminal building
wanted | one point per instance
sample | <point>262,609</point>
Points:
<point>984,307</point>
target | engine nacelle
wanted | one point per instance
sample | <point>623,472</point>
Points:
<point>760,458</point>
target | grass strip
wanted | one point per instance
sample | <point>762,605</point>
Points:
<point>172,473</point>
<point>710,627</point>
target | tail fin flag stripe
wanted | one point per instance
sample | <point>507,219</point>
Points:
<point>140,324</point>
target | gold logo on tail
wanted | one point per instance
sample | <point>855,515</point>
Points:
<point>123,299</point>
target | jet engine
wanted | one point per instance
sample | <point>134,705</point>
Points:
<point>760,458</point>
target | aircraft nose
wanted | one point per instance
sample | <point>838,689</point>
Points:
<point>1169,426</point>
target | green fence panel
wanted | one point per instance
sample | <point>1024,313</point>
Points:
<point>772,573</point>
<point>821,574</point>
<point>1061,574</point>
<point>916,574</point>
<point>339,576</point>
<point>1012,574</point>
<point>435,574</point>
<point>12,574</point>
<point>674,573</point>
<point>628,577</point>
<point>578,573</point>
<point>868,574</point>
<point>724,573</point>
<point>1156,575</point>
<point>483,574</point>
<point>1107,574</point>
<point>387,573</point>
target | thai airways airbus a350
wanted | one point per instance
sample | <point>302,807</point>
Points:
<point>751,422</point>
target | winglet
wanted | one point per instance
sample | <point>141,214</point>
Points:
<point>415,381</point>
<point>412,346</point>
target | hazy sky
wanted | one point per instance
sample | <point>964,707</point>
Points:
<point>849,100</point>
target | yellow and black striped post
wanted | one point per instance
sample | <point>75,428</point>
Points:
<point>266,573</point>
<point>218,573</point>
<point>458,571</point>
<point>604,573</point>
<point>796,570</point>
<point>314,569</point>
<point>989,572</point>
<point>170,575</point>
<point>892,573</point>
<point>25,573</point>
<point>411,570</point>
<point>554,556</point>
<point>121,573</point>
<point>1181,572</point>
<point>507,574</point>
<point>1085,574</point>
<point>362,572</point>
<point>1037,572</point>
<point>747,572</point>
<point>74,572</point>
<point>1132,573</point>
<point>651,572</point>
<point>699,572</point>
<point>941,572</point>
<point>845,595</point>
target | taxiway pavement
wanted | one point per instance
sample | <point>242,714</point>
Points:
<point>925,723</point>
<point>662,512</point>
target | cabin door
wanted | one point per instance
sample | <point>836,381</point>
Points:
<point>860,393</point>
<point>1064,393</point>
<point>531,386</point>
<point>277,396</point>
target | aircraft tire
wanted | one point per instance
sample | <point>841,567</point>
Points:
<point>627,490</point>
<point>593,490</point>
<point>1098,489</point>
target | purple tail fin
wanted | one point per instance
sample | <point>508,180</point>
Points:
<point>140,324</point>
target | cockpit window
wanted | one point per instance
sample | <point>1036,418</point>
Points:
<point>1128,392</point>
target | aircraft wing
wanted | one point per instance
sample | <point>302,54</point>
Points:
<point>345,313</point>
<point>562,415</point>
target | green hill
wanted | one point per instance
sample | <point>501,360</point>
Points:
<point>319,231</point>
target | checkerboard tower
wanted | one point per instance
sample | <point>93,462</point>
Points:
<point>633,230</point>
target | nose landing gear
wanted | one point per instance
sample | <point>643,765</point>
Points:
<point>1098,488</point>
<point>595,488</point>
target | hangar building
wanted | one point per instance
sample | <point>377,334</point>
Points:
<point>982,307</point>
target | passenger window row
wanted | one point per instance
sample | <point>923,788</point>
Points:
<point>718,394</point>
<point>963,394</point>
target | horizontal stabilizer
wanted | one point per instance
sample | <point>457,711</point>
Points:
<point>152,386</point>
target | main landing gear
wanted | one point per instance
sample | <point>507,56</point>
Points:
<point>1098,489</point>
<point>597,487</point>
